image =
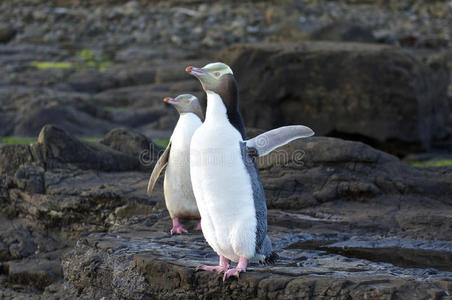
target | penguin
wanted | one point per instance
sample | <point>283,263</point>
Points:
<point>179,198</point>
<point>225,178</point>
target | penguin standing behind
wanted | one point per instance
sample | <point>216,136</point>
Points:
<point>225,178</point>
<point>179,198</point>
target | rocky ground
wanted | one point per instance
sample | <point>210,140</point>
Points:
<point>349,221</point>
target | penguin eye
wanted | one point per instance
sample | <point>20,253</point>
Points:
<point>217,74</point>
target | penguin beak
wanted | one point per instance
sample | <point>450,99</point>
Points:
<point>170,100</point>
<point>195,71</point>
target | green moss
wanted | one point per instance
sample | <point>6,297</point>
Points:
<point>116,108</point>
<point>89,60</point>
<point>43,65</point>
<point>162,143</point>
<point>16,140</point>
<point>434,163</point>
<point>86,54</point>
<point>90,139</point>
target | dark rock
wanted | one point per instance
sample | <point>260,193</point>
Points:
<point>57,149</point>
<point>67,117</point>
<point>28,109</point>
<point>326,176</point>
<point>36,272</point>
<point>377,94</point>
<point>7,33</point>
<point>147,95</point>
<point>92,81</point>
<point>17,240</point>
<point>343,31</point>
<point>30,179</point>
<point>60,149</point>
<point>158,265</point>
<point>137,117</point>
<point>126,141</point>
<point>14,156</point>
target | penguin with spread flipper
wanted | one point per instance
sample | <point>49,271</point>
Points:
<point>177,188</point>
<point>225,179</point>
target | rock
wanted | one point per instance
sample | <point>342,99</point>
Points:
<point>60,149</point>
<point>126,141</point>
<point>37,272</point>
<point>158,265</point>
<point>14,156</point>
<point>176,72</point>
<point>343,31</point>
<point>30,179</point>
<point>56,149</point>
<point>17,241</point>
<point>7,33</point>
<point>346,97</point>
<point>337,208</point>
<point>316,174</point>
<point>70,119</point>
<point>92,81</point>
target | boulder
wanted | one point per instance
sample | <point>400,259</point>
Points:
<point>345,32</point>
<point>60,150</point>
<point>378,94</point>
<point>7,33</point>
<point>56,149</point>
<point>68,118</point>
<point>126,141</point>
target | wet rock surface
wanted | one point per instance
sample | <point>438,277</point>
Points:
<point>347,220</point>
<point>143,260</point>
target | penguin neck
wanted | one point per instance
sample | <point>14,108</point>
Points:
<point>216,110</point>
<point>225,105</point>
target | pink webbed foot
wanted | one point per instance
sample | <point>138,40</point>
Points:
<point>241,267</point>
<point>221,268</point>
<point>198,226</point>
<point>177,227</point>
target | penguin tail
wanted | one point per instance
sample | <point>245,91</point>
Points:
<point>271,259</point>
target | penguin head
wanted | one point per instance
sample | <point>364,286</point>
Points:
<point>212,76</point>
<point>185,103</point>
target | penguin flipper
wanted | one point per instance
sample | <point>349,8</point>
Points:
<point>268,141</point>
<point>159,166</point>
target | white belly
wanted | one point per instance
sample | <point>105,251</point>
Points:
<point>223,190</point>
<point>179,198</point>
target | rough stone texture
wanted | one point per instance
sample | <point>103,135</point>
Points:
<point>338,89</point>
<point>349,221</point>
<point>141,261</point>
<point>129,142</point>
<point>56,149</point>
<point>344,31</point>
<point>360,187</point>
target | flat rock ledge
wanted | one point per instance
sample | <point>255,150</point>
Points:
<point>143,261</point>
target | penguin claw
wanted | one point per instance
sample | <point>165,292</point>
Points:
<point>178,230</point>
<point>198,226</point>
<point>232,272</point>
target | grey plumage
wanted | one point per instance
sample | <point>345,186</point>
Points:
<point>263,243</point>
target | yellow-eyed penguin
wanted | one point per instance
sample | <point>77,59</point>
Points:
<point>225,178</point>
<point>179,198</point>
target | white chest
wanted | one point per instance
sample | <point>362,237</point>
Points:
<point>179,197</point>
<point>222,185</point>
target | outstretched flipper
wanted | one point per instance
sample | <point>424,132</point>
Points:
<point>159,166</point>
<point>268,141</point>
